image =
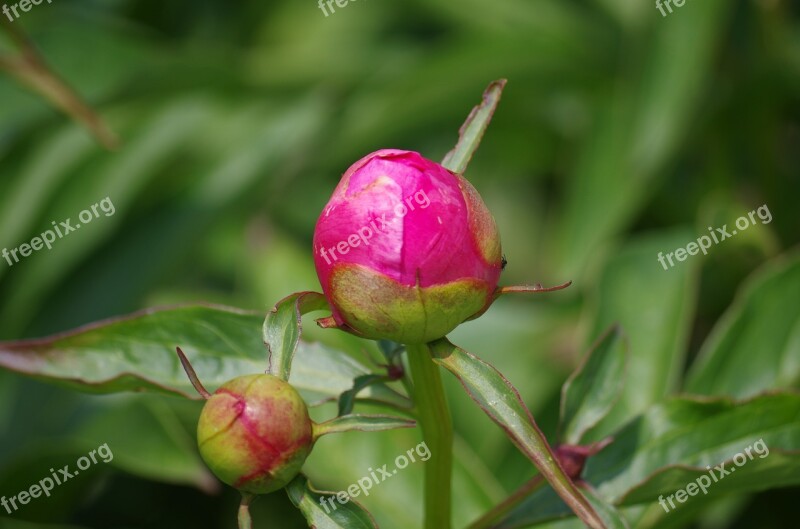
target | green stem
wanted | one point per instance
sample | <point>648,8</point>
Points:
<point>245,521</point>
<point>437,432</point>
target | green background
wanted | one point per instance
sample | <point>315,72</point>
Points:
<point>621,134</point>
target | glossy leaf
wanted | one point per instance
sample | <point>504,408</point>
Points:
<point>501,402</point>
<point>283,326</point>
<point>331,515</point>
<point>364,423</point>
<point>592,389</point>
<point>755,346</point>
<point>137,353</point>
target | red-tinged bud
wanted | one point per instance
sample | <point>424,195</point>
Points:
<point>405,249</point>
<point>255,433</point>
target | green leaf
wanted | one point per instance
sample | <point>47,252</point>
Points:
<point>636,130</point>
<point>364,423</point>
<point>555,519</point>
<point>610,515</point>
<point>331,515</point>
<point>137,353</point>
<point>283,326</point>
<point>673,443</point>
<point>161,449</point>
<point>590,392</point>
<point>755,346</point>
<point>655,307</point>
<point>670,446</point>
<point>471,132</point>
<point>121,177</point>
<point>347,399</point>
<point>502,403</point>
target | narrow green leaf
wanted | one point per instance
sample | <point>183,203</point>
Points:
<point>137,353</point>
<point>590,392</point>
<point>502,403</point>
<point>282,328</point>
<point>755,346</point>
<point>323,511</point>
<point>364,423</point>
<point>471,132</point>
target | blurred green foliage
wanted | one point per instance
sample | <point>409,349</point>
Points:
<point>621,134</point>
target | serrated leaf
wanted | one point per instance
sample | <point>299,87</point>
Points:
<point>501,402</point>
<point>331,515</point>
<point>137,353</point>
<point>364,423</point>
<point>590,392</point>
<point>755,346</point>
<point>283,326</point>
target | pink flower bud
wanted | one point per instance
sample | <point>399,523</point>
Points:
<point>254,433</point>
<point>405,249</point>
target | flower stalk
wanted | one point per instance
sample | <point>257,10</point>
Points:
<point>437,431</point>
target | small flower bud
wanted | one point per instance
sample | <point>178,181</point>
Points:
<point>254,433</point>
<point>405,249</point>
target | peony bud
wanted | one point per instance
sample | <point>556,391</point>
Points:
<point>255,433</point>
<point>405,249</point>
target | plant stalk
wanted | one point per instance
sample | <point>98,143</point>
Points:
<point>245,520</point>
<point>437,432</point>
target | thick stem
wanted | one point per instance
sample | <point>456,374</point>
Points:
<point>437,432</point>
